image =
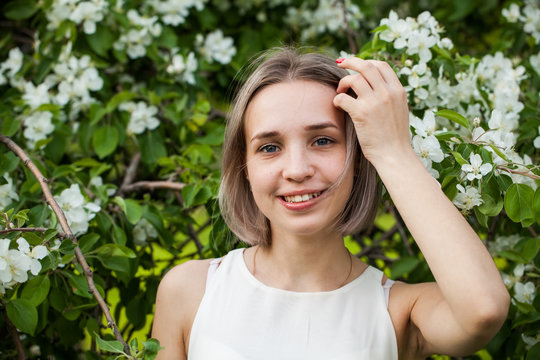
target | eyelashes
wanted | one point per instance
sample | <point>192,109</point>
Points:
<point>273,148</point>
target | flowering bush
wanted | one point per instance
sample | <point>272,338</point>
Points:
<point>117,108</point>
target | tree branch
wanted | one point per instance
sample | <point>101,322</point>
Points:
<point>131,172</point>
<point>21,355</point>
<point>351,35</point>
<point>67,230</point>
<point>152,185</point>
<point>59,234</point>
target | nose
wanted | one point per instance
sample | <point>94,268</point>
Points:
<point>297,165</point>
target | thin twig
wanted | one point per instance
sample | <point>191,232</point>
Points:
<point>523,173</point>
<point>67,230</point>
<point>215,113</point>
<point>152,185</point>
<point>191,230</point>
<point>401,228</point>
<point>390,232</point>
<point>59,234</point>
<point>21,355</point>
<point>131,172</point>
<point>351,35</point>
<point>8,226</point>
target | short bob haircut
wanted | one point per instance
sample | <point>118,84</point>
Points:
<point>236,201</point>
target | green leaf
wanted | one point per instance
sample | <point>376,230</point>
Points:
<point>531,248</point>
<point>105,140</point>
<point>10,126</point>
<point>36,290</point>
<point>518,201</point>
<point>101,40</point>
<point>115,250</point>
<point>151,348</point>
<point>23,314</point>
<point>79,284</point>
<point>118,235</point>
<point>534,352</point>
<point>120,202</point>
<point>499,152</point>
<point>133,211</point>
<point>113,346</point>
<point>403,266</point>
<point>536,205</point>
<point>188,194</point>
<point>20,9</point>
<point>152,147</point>
<point>459,158</point>
<point>453,116</point>
<point>87,242</point>
<point>118,99</point>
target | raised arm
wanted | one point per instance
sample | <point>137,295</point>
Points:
<point>469,302</point>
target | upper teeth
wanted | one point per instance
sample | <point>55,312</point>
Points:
<point>300,198</point>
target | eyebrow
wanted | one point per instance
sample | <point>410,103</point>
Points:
<point>270,134</point>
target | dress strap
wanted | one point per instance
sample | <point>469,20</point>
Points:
<point>386,287</point>
<point>214,264</point>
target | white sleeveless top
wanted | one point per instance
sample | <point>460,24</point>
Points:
<point>240,318</point>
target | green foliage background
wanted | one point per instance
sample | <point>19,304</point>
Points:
<point>169,175</point>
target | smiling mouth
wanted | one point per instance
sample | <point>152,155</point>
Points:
<point>301,198</point>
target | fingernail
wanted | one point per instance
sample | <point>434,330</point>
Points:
<point>340,60</point>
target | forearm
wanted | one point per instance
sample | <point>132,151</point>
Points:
<point>459,261</point>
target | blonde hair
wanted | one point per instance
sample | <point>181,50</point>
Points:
<point>236,201</point>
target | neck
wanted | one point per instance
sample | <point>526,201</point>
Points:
<point>311,263</point>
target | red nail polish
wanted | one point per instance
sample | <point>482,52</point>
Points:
<point>340,60</point>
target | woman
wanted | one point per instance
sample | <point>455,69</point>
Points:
<point>294,183</point>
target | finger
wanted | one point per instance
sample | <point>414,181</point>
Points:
<point>365,68</point>
<point>355,82</point>
<point>387,73</point>
<point>345,102</point>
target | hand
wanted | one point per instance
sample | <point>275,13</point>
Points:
<point>380,113</point>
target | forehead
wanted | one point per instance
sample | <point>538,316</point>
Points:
<point>287,105</point>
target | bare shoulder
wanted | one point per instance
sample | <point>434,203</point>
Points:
<point>178,298</point>
<point>185,278</point>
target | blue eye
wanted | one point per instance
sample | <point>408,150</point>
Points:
<point>268,148</point>
<point>323,141</point>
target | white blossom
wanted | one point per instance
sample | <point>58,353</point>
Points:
<point>78,212</point>
<point>426,126</point>
<point>535,62</point>
<point>174,12</point>
<point>143,230</point>
<point>184,68</point>
<point>524,293</point>
<point>475,169</point>
<point>536,141</point>
<point>34,96</point>
<point>14,265</point>
<point>216,47</point>
<point>511,14</point>
<point>8,193</point>
<point>428,148</point>
<point>419,43</point>
<point>398,30</point>
<point>11,66</point>
<point>467,198</point>
<point>327,17</point>
<point>142,117</point>
<point>38,126</point>
<point>139,36</point>
<point>89,13</point>
<point>35,254</point>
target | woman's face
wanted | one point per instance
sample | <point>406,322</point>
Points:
<point>296,149</point>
